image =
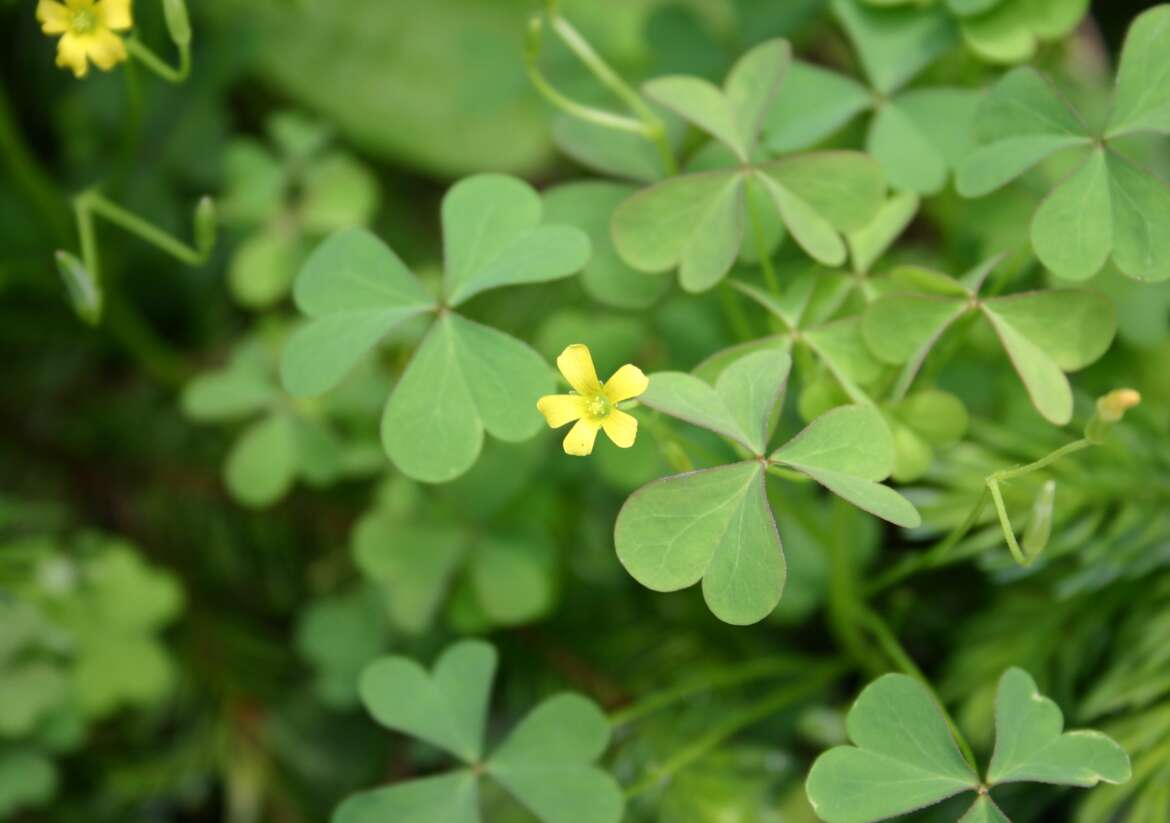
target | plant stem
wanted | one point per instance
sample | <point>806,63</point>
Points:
<point>92,201</point>
<point>809,685</point>
<point>144,55</point>
<point>725,677</point>
<point>935,556</point>
<point>761,250</point>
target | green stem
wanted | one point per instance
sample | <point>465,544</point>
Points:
<point>734,313</point>
<point>845,607</point>
<point>718,679</point>
<point>937,555</point>
<point>143,54</point>
<point>994,480</point>
<point>92,201</point>
<point>761,250</point>
<point>809,685</point>
<point>646,123</point>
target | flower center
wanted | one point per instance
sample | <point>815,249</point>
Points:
<point>84,21</point>
<point>598,406</point>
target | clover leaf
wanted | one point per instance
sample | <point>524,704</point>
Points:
<point>284,442</point>
<point>696,222</point>
<point>1108,208</point>
<point>283,200</point>
<point>918,135</point>
<point>546,763</point>
<point>465,378</point>
<point>416,565</point>
<point>903,756</point>
<point>1005,31</point>
<point>715,524</point>
<point>1044,333</point>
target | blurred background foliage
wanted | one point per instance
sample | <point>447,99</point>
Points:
<point>190,582</point>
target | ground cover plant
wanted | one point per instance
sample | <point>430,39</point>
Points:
<point>585,412</point>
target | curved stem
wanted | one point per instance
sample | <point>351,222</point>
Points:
<point>93,203</point>
<point>144,55</point>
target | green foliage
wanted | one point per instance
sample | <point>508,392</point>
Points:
<point>545,762</point>
<point>904,756</point>
<point>465,378</point>
<point>1108,208</point>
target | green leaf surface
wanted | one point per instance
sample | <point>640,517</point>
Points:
<point>1073,327</point>
<point>262,464</point>
<point>446,706</point>
<point>751,389</point>
<point>1031,744</point>
<point>880,501</point>
<point>901,328</point>
<point>852,440</point>
<point>657,229</point>
<point>1141,101</point>
<point>869,243</point>
<point>984,811</point>
<point>27,779</point>
<point>512,579</point>
<point>464,379</point>
<point>690,399</point>
<point>589,206</point>
<point>907,156</point>
<point>547,763</point>
<point>813,103</point>
<point>355,290</point>
<point>902,758</point>
<point>713,525</point>
<point>1072,231</point>
<point>895,44</point>
<point>1141,220</point>
<point>846,188</point>
<point>734,114</point>
<point>412,564</point>
<point>1023,104</point>
<point>445,798</point>
<point>616,153</point>
<point>492,237</point>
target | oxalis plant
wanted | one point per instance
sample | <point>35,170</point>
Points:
<point>838,362</point>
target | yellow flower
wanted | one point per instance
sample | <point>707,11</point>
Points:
<point>594,406</point>
<point>87,31</point>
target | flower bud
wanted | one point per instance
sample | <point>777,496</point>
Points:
<point>1110,409</point>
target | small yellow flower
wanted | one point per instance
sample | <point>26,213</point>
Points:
<point>87,31</point>
<point>594,406</point>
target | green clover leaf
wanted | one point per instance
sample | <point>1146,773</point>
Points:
<point>415,566</point>
<point>284,442</point>
<point>696,222</point>
<point>715,525</point>
<point>918,136</point>
<point>903,756</point>
<point>465,378</point>
<point>546,763</point>
<point>1108,208</point>
<point>1045,333</point>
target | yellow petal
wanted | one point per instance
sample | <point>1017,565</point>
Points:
<point>71,53</point>
<point>116,14</point>
<point>559,409</point>
<point>105,49</point>
<point>579,440</point>
<point>622,428</point>
<point>576,364</point>
<point>53,17</point>
<point>627,382</point>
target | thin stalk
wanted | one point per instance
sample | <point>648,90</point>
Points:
<point>761,250</point>
<point>809,685</point>
<point>144,55</point>
<point>94,202</point>
<point>937,555</point>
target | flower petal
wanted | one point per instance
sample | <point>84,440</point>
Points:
<point>576,364</point>
<point>579,440</point>
<point>621,428</point>
<point>116,14</point>
<point>559,409</point>
<point>71,53</point>
<point>627,382</point>
<point>105,49</point>
<point>53,17</point>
